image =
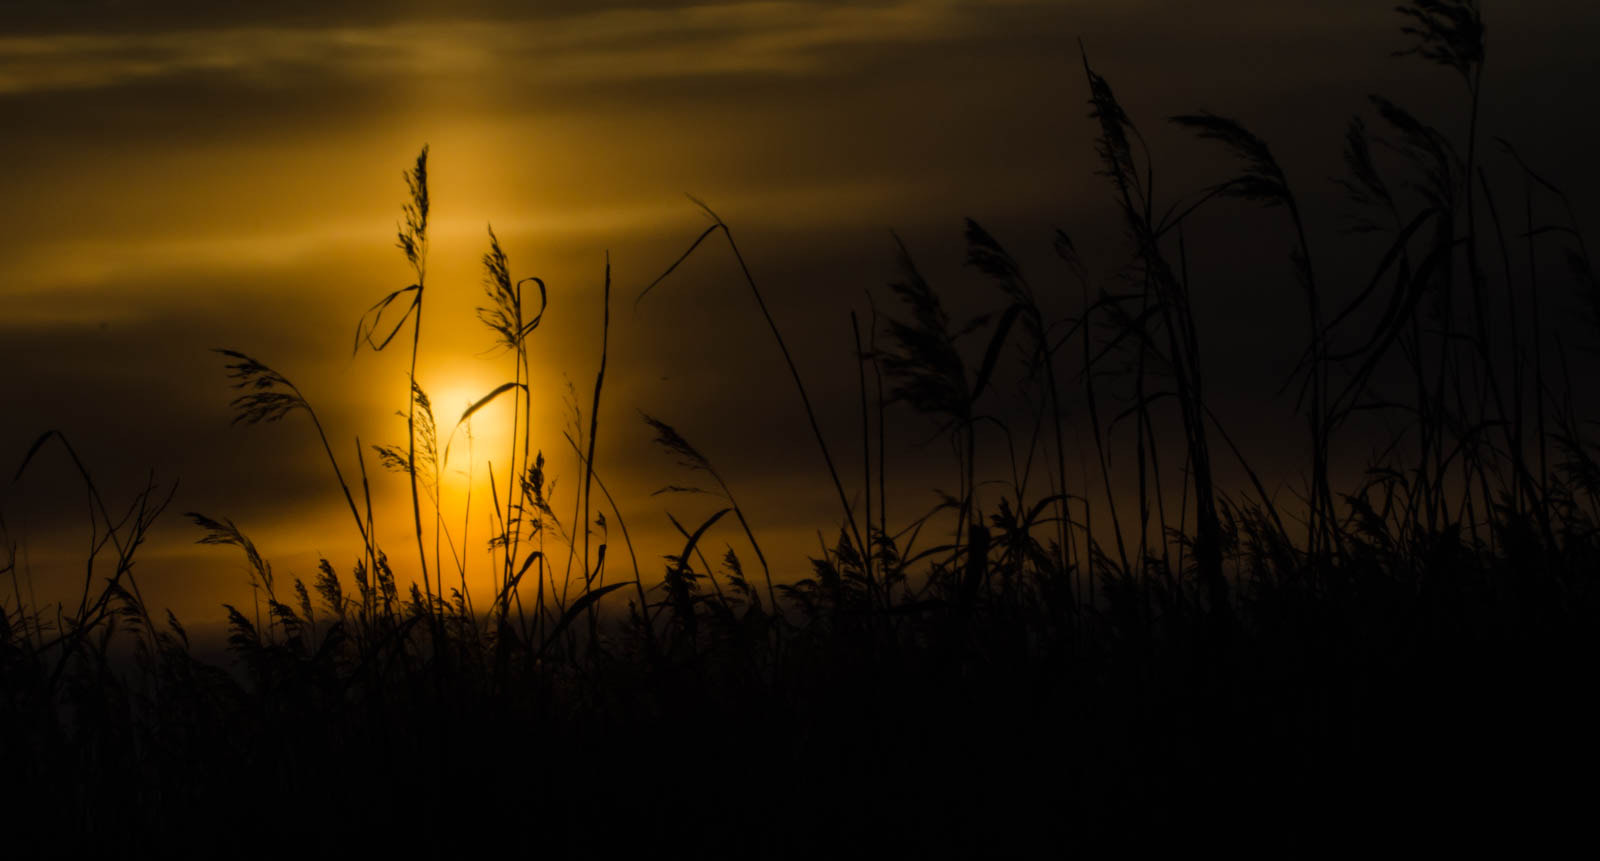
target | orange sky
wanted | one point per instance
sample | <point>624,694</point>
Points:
<point>181,176</point>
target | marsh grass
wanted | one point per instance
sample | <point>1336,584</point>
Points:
<point>1027,661</point>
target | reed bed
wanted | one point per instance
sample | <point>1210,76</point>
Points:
<point>1033,663</point>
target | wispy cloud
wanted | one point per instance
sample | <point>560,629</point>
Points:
<point>794,38</point>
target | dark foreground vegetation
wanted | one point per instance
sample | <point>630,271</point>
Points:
<point>1406,651</point>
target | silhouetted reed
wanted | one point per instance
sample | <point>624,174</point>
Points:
<point>1080,663</point>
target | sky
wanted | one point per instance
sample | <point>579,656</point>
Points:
<point>182,176</point>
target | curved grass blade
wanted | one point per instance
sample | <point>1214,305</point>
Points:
<point>487,399</point>
<point>587,600</point>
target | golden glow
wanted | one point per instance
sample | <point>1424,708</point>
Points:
<point>182,185</point>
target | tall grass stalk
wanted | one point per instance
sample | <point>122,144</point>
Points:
<point>783,347</point>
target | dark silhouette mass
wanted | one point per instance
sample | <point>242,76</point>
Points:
<point>1111,630</point>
